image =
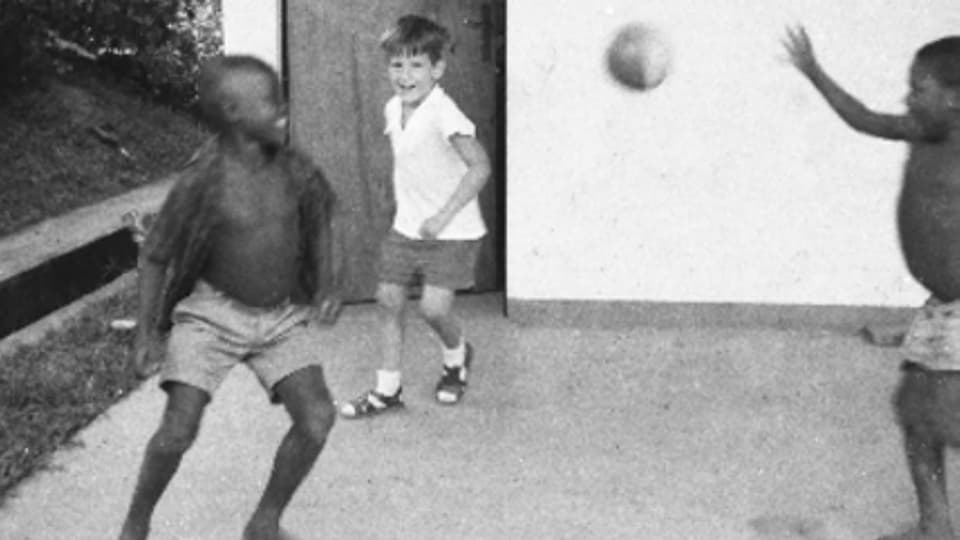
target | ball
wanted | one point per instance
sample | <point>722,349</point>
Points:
<point>639,56</point>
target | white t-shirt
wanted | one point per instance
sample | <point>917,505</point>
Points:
<point>427,168</point>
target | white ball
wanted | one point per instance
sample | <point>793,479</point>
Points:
<point>639,56</point>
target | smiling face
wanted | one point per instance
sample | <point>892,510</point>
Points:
<point>413,76</point>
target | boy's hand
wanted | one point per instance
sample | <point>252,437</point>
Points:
<point>328,310</point>
<point>800,50</point>
<point>433,226</point>
<point>144,360</point>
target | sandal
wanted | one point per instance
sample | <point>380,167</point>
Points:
<point>371,403</point>
<point>453,382</point>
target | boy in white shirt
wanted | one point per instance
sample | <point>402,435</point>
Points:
<point>439,169</point>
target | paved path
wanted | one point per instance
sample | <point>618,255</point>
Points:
<point>564,434</point>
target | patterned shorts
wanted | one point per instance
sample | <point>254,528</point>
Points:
<point>933,339</point>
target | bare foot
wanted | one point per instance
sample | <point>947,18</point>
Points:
<point>134,531</point>
<point>262,529</point>
<point>915,533</point>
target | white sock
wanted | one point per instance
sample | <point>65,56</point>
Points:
<point>455,357</point>
<point>388,382</point>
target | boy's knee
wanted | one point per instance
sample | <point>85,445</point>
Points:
<point>391,299</point>
<point>317,425</point>
<point>926,403</point>
<point>434,310</point>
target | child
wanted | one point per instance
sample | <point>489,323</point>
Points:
<point>928,399</point>
<point>439,168</point>
<point>245,236</point>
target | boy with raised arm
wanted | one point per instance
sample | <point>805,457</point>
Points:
<point>927,401</point>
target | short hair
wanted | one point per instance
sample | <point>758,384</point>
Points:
<point>943,58</point>
<point>412,35</point>
<point>211,92</point>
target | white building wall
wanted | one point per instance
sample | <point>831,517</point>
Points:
<point>733,181</point>
<point>253,27</point>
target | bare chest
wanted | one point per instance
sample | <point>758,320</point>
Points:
<point>257,200</point>
<point>934,170</point>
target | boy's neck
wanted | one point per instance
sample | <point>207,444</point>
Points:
<point>410,107</point>
<point>251,152</point>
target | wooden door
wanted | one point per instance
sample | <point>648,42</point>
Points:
<point>338,86</point>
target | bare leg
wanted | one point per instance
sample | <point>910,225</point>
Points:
<point>922,404</point>
<point>308,401</point>
<point>177,431</point>
<point>436,305</point>
<point>392,299</point>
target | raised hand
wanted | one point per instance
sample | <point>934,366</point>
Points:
<point>145,363</point>
<point>799,49</point>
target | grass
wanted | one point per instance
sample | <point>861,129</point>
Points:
<point>80,138</point>
<point>50,390</point>
<point>60,145</point>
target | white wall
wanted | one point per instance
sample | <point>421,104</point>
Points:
<point>252,27</point>
<point>732,181</point>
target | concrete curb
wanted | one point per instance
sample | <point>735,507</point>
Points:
<point>38,330</point>
<point>59,235</point>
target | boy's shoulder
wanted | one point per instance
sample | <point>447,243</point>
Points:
<point>440,99</point>
<point>198,166</point>
<point>298,162</point>
<point>306,173</point>
<point>301,168</point>
<point>193,179</point>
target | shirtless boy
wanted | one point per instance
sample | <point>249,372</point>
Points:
<point>239,261</point>
<point>927,402</point>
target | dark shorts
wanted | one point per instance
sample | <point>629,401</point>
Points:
<point>447,264</point>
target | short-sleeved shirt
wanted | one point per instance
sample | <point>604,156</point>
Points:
<point>427,169</point>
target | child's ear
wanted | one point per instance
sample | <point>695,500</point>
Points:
<point>438,68</point>
<point>231,109</point>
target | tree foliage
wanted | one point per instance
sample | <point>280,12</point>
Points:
<point>158,43</point>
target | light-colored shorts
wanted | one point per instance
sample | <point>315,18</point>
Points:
<point>212,333</point>
<point>933,339</point>
<point>449,264</point>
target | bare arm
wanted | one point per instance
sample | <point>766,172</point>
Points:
<point>325,211</point>
<point>478,172</point>
<point>332,265</point>
<point>151,280</point>
<point>851,110</point>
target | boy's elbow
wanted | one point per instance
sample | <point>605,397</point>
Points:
<point>482,173</point>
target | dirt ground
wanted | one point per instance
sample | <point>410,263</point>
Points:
<point>565,433</point>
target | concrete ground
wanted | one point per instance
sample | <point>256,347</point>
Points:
<point>565,433</point>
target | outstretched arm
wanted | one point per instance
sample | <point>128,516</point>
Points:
<point>851,110</point>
